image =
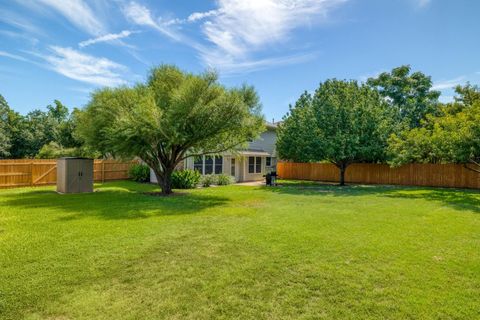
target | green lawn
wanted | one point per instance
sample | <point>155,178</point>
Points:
<point>299,251</point>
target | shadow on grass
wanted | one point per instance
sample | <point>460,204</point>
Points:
<point>124,202</point>
<point>459,199</point>
<point>455,198</point>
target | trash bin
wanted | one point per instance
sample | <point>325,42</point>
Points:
<point>273,178</point>
<point>268,179</point>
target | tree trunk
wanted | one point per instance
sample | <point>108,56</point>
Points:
<point>164,180</point>
<point>342,167</point>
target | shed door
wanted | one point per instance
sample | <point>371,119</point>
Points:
<point>81,172</point>
<point>72,175</point>
<point>87,176</point>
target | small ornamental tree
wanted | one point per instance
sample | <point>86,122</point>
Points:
<point>344,123</point>
<point>174,115</point>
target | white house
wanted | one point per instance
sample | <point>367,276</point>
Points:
<point>248,164</point>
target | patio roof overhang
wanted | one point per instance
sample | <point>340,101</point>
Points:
<point>257,153</point>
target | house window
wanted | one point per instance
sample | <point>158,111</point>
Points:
<point>251,164</point>
<point>268,161</point>
<point>232,168</point>
<point>198,164</point>
<point>258,165</point>
<point>218,165</point>
<point>208,165</point>
<point>254,165</point>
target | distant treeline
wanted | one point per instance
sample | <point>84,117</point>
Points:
<point>39,134</point>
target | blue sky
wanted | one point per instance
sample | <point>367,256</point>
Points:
<point>53,49</point>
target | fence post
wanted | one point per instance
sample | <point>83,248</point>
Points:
<point>103,170</point>
<point>31,173</point>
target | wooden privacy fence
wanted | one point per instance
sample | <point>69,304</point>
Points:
<point>37,172</point>
<point>433,175</point>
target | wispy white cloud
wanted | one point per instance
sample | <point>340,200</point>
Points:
<point>106,38</point>
<point>13,56</point>
<point>141,15</point>
<point>196,16</point>
<point>20,36</point>
<point>75,65</point>
<point>79,13</point>
<point>448,84</point>
<point>19,22</point>
<point>243,26</point>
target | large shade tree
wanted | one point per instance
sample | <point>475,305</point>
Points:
<point>410,95</point>
<point>344,123</point>
<point>174,115</point>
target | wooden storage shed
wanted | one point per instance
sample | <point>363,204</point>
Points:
<point>74,175</point>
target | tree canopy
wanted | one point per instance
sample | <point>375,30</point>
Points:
<point>343,123</point>
<point>410,95</point>
<point>172,116</point>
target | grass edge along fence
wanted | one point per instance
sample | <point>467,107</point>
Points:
<point>431,175</point>
<point>38,172</point>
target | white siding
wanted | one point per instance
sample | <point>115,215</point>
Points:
<point>153,177</point>
<point>265,142</point>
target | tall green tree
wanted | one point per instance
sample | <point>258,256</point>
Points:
<point>451,137</point>
<point>410,95</point>
<point>344,123</point>
<point>174,115</point>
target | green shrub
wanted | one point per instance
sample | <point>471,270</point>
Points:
<point>208,180</point>
<point>139,173</point>
<point>185,179</point>
<point>224,179</point>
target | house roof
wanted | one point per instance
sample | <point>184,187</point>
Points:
<point>272,125</point>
